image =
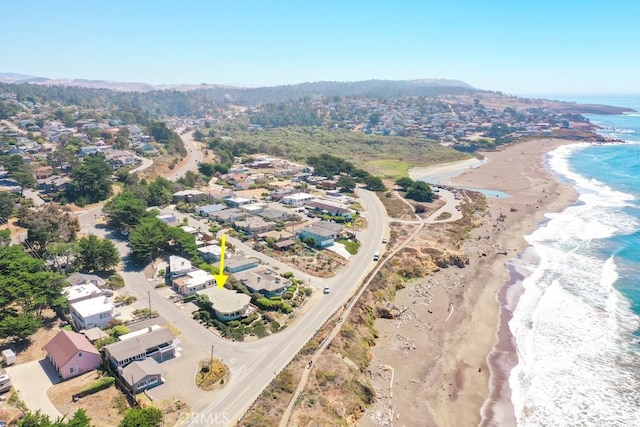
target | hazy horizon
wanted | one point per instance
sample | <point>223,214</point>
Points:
<point>537,48</point>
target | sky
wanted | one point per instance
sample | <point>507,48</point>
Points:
<point>520,47</point>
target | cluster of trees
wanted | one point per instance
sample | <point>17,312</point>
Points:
<point>283,114</point>
<point>328,165</point>
<point>148,236</point>
<point>419,191</point>
<point>167,138</point>
<point>26,288</point>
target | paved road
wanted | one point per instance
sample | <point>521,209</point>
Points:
<point>146,164</point>
<point>194,156</point>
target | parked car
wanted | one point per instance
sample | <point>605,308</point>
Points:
<point>326,290</point>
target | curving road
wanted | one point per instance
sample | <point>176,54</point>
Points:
<point>194,156</point>
<point>254,364</point>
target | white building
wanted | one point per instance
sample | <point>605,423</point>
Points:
<point>77,293</point>
<point>92,313</point>
<point>298,199</point>
<point>193,281</point>
<point>179,266</point>
<point>228,304</point>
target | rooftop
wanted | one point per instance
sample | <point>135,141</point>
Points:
<point>132,347</point>
<point>65,344</point>
<point>77,292</point>
<point>225,300</point>
<point>92,306</point>
<point>140,369</point>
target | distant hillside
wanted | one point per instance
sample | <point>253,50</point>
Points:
<point>260,95</point>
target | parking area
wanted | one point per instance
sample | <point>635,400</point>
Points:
<point>31,381</point>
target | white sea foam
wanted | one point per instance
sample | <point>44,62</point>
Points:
<point>572,328</point>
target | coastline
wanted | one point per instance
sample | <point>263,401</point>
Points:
<point>457,368</point>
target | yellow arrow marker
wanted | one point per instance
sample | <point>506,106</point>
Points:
<point>221,278</point>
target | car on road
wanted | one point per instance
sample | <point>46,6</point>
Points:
<point>326,290</point>
<point>384,241</point>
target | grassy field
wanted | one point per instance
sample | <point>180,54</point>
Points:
<point>384,155</point>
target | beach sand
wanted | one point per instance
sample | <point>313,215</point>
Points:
<point>443,170</point>
<point>436,351</point>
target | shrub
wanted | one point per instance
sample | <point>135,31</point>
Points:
<point>99,384</point>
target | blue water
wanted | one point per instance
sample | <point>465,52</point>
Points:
<point>576,326</point>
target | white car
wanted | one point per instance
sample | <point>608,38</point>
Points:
<point>326,290</point>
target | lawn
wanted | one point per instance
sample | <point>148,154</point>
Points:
<point>387,168</point>
<point>350,245</point>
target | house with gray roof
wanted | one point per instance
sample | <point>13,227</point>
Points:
<point>227,304</point>
<point>237,264</point>
<point>158,344</point>
<point>264,280</point>
<point>142,375</point>
<point>322,237</point>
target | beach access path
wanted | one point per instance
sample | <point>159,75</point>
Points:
<point>452,316</point>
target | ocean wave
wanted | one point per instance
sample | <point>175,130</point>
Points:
<point>572,369</point>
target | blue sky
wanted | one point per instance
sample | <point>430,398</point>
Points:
<point>515,46</point>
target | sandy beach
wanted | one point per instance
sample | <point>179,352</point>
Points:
<point>443,170</point>
<point>430,364</point>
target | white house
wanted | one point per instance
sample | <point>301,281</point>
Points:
<point>297,200</point>
<point>179,266</point>
<point>210,253</point>
<point>193,281</point>
<point>92,313</point>
<point>77,293</point>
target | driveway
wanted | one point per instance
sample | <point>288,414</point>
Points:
<point>32,380</point>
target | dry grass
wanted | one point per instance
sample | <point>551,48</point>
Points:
<point>212,374</point>
<point>105,408</point>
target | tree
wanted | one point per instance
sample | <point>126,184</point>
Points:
<point>125,210</point>
<point>38,419</point>
<point>97,254</point>
<point>142,417</point>
<point>91,181</point>
<point>62,254</point>
<point>7,203</point>
<point>20,171</point>
<point>404,182</point>
<point>160,192</point>
<point>5,237</point>
<point>49,223</point>
<point>346,184</point>
<point>147,239</point>
<point>19,325</point>
<point>190,179</point>
<point>420,191</point>
<point>180,242</point>
<point>374,183</point>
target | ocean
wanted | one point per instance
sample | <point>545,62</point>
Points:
<point>576,325</point>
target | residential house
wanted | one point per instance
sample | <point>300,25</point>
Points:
<point>333,226</point>
<point>142,375</point>
<point>322,237</point>
<point>297,200</point>
<point>43,172</point>
<point>210,253</point>
<point>227,304</point>
<point>275,215</point>
<point>206,210</point>
<point>239,263</point>
<point>158,344</point>
<point>236,202</point>
<point>179,266</point>
<point>254,225</point>
<point>72,354</point>
<point>193,281</point>
<point>254,208</point>
<point>228,216</point>
<point>91,313</point>
<point>53,184</point>
<point>189,196</point>
<point>325,208</point>
<point>75,293</point>
<point>84,279</point>
<point>265,281</point>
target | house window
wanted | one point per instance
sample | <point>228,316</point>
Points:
<point>104,315</point>
<point>73,369</point>
<point>152,380</point>
<point>79,354</point>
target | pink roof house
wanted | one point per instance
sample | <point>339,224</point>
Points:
<point>72,354</point>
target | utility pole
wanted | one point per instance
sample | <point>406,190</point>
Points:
<point>211,361</point>
<point>149,294</point>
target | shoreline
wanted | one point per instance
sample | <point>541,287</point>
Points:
<point>460,372</point>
